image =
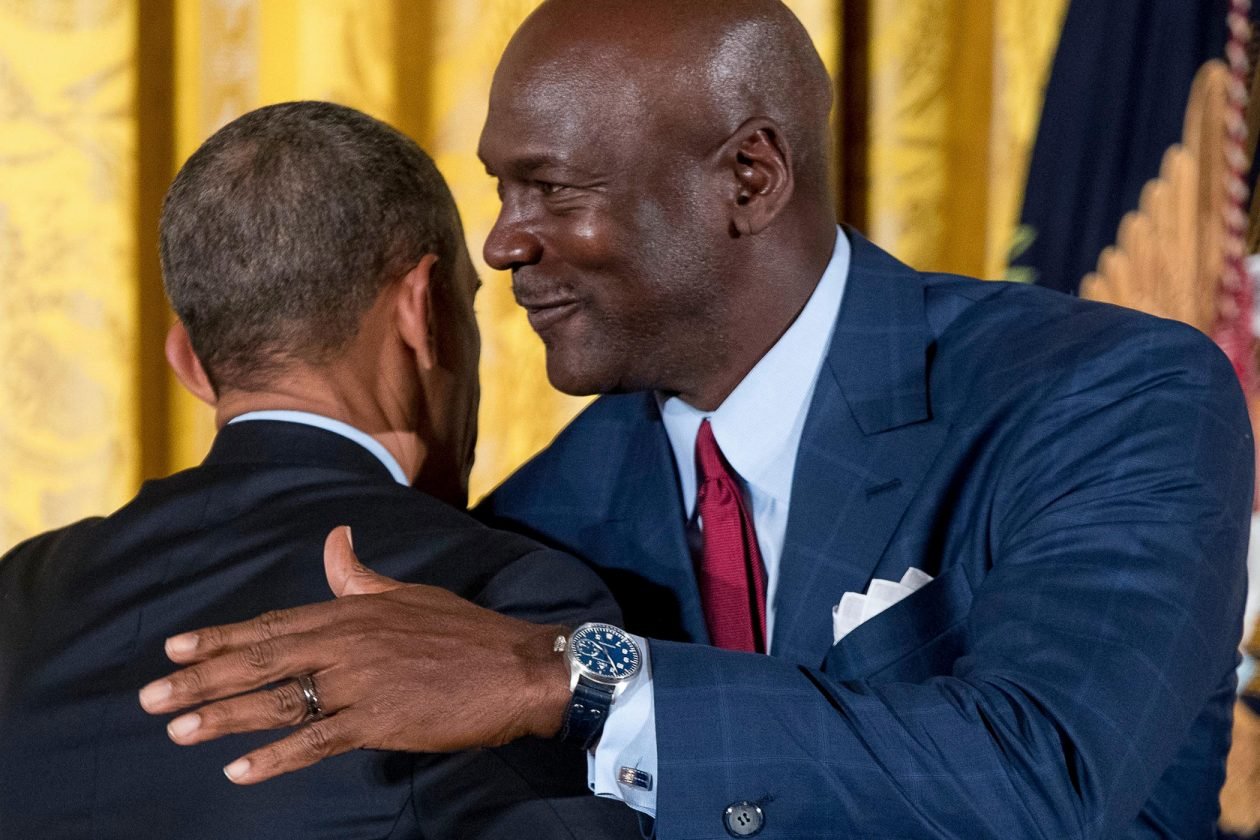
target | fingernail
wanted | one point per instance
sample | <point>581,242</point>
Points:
<point>155,693</point>
<point>236,769</point>
<point>186,643</point>
<point>349,536</point>
<point>183,726</point>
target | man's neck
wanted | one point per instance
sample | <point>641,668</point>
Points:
<point>778,292</point>
<point>352,406</point>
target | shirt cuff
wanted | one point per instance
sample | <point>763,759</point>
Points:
<point>628,740</point>
<point>1246,673</point>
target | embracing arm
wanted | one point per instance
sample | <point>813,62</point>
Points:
<point>1106,620</point>
<point>416,668</point>
<point>420,639</point>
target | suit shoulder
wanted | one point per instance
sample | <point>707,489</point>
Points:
<point>411,536</point>
<point>1012,318</point>
<point>414,529</point>
<point>1024,342</point>
<point>38,578</point>
<point>34,551</point>
<point>949,296</point>
<point>261,516</point>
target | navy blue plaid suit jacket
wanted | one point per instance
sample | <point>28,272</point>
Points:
<point>1076,477</point>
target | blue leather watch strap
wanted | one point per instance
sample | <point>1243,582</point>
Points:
<point>587,711</point>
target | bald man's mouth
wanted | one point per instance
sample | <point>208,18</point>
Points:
<point>545,314</point>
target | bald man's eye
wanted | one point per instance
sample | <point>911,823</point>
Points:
<point>549,187</point>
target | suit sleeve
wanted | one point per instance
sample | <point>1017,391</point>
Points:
<point>550,587</point>
<point>1105,621</point>
<point>530,788</point>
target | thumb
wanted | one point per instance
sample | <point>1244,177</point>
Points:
<point>346,575</point>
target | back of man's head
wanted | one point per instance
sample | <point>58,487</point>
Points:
<point>279,233</point>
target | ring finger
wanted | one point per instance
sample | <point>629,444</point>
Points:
<point>273,708</point>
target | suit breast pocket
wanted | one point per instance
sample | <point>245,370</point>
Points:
<point>918,637</point>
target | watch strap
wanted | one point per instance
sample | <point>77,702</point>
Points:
<point>588,709</point>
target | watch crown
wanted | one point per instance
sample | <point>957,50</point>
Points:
<point>560,644</point>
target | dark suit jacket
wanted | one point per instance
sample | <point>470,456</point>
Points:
<point>1076,477</point>
<point>84,611</point>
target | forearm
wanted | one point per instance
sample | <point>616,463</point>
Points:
<point>944,759</point>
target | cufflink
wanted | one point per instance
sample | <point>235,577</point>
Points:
<point>634,777</point>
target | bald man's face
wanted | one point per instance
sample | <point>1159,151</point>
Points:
<point>610,227</point>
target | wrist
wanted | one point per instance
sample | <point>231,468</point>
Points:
<point>548,689</point>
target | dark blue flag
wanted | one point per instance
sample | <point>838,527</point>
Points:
<point>1115,102</point>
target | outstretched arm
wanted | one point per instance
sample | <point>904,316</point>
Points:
<point>1077,666</point>
<point>1103,626</point>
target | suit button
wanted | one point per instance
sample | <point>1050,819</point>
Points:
<point>744,819</point>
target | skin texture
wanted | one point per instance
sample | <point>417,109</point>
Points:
<point>408,378</point>
<point>665,216</point>
<point>418,705</point>
<point>661,226</point>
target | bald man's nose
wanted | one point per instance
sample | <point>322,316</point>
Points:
<point>509,246</point>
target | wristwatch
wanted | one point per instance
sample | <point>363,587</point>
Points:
<point>602,660</point>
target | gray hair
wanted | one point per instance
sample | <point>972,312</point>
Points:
<point>279,233</point>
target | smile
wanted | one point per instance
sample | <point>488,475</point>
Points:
<point>544,316</point>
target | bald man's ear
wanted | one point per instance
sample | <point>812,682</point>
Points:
<point>188,368</point>
<point>415,315</point>
<point>759,158</point>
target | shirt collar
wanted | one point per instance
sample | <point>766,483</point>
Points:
<point>319,421</point>
<point>758,427</point>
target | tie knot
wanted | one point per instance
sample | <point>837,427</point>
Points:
<point>709,460</point>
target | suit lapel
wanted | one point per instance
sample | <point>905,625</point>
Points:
<point>646,516</point>
<point>868,441</point>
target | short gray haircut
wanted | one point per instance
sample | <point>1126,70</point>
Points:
<point>280,232</point>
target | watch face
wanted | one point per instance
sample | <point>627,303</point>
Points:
<point>604,653</point>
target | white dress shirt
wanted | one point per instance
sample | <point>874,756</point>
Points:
<point>319,421</point>
<point>758,428</point>
<point>1248,666</point>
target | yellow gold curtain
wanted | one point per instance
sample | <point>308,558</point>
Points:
<point>100,100</point>
<point>955,94</point>
<point>68,305</point>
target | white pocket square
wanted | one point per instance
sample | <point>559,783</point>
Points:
<point>855,608</point>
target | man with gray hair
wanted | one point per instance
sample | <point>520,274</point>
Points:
<point>316,262</point>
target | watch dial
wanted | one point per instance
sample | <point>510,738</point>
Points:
<point>605,652</point>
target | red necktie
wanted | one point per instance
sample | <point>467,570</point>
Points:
<point>731,575</point>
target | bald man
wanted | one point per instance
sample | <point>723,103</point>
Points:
<point>990,537</point>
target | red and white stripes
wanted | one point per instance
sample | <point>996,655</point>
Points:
<point>1234,331</point>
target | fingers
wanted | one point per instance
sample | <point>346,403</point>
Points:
<point>284,705</point>
<point>202,644</point>
<point>308,745</point>
<point>236,671</point>
<point>346,575</point>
